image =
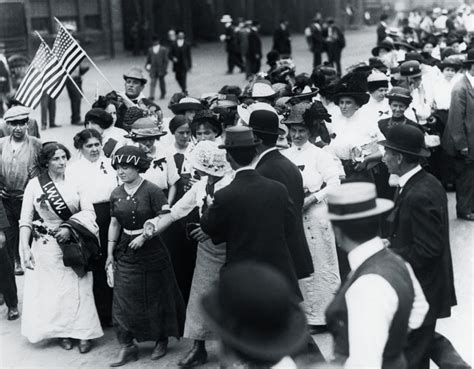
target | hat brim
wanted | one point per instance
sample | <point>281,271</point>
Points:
<point>376,50</point>
<point>361,98</point>
<point>424,153</point>
<point>182,107</point>
<point>142,80</point>
<point>136,136</point>
<point>196,165</point>
<point>246,146</point>
<point>278,131</point>
<point>258,344</point>
<point>382,206</point>
<point>403,44</point>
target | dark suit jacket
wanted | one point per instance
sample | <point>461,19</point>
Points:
<point>459,131</point>
<point>254,50</point>
<point>274,165</point>
<point>181,57</point>
<point>253,215</point>
<point>158,62</point>
<point>420,234</point>
<point>282,41</point>
<point>381,33</point>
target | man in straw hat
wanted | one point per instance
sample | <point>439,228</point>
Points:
<point>458,140</point>
<point>419,232</point>
<point>381,299</point>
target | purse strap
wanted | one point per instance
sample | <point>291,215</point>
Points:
<point>54,197</point>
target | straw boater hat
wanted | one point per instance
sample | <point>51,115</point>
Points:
<point>239,137</point>
<point>16,113</point>
<point>144,128</point>
<point>253,311</point>
<point>186,103</point>
<point>262,89</point>
<point>355,200</point>
<point>406,139</point>
<point>135,73</point>
<point>208,158</point>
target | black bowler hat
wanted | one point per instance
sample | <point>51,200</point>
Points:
<point>239,137</point>
<point>406,139</point>
<point>254,311</point>
<point>264,119</point>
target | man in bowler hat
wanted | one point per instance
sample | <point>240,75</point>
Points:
<point>379,302</point>
<point>458,139</point>
<point>273,165</point>
<point>419,232</point>
<point>253,214</point>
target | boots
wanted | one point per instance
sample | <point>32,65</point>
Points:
<point>197,355</point>
<point>160,349</point>
<point>126,354</point>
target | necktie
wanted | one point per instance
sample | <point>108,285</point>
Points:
<point>179,160</point>
<point>397,194</point>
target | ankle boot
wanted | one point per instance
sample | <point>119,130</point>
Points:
<point>196,356</point>
<point>126,354</point>
<point>160,349</point>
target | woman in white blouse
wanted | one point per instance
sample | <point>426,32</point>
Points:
<point>320,173</point>
<point>355,138</point>
<point>94,175</point>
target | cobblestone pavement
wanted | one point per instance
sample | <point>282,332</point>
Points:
<point>208,75</point>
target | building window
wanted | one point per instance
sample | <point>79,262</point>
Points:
<point>40,24</point>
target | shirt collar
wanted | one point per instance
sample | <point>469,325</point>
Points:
<point>405,178</point>
<point>364,251</point>
<point>470,78</point>
<point>265,153</point>
<point>248,167</point>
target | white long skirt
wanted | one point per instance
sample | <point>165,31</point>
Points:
<point>56,302</point>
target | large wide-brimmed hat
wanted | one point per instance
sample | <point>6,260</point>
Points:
<point>450,62</point>
<point>239,137</point>
<point>350,89</point>
<point>400,44</point>
<point>208,158</point>
<point>400,94</point>
<point>254,311</point>
<point>16,113</point>
<point>262,89</point>
<point>382,45</point>
<point>135,73</point>
<point>406,139</point>
<point>145,128</point>
<point>377,79</point>
<point>355,200</point>
<point>186,103</point>
<point>264,119</point>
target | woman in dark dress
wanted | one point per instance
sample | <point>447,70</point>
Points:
<point>147,304</point>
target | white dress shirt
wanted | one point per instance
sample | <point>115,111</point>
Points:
<point>371,305</point>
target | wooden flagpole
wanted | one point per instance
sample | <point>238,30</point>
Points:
<point>65,71</point>
<point>125,97</point>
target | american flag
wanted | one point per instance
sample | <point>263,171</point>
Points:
<point>43,73</point>
<point>69,53</point>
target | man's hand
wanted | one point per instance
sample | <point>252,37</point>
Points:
<point>2,239</point>
<point>199,235</point>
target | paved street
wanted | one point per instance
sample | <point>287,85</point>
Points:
<point>208,75</point>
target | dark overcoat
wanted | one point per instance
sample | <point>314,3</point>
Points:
<point>158,61</point>
<point>253,215</point>
<point>274,165</point>
<point>459,131</point>
<point>419,232</point>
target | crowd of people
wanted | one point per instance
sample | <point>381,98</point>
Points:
<point>257,215</point>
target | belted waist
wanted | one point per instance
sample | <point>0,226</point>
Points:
<point>133,232</point>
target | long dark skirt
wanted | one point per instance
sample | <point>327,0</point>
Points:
<point>147,303</point>
<point>102,292</point>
